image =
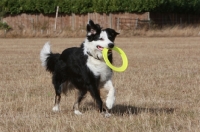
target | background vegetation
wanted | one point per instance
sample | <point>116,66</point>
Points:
<point>100,6</point>
<point>4,26</point>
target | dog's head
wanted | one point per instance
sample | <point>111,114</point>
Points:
<point>97,39</point>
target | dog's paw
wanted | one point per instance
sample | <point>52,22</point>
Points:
<point>77,112</point>
<point>55,109</point>
<point>106,114</point>
<point>110,102</point>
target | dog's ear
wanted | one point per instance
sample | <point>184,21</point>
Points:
<point>92,28</point>
<point>111,34</point>
<point>117,33</point>
<point>91,23</point>
<point>114,32</point>
<point>114,35</point>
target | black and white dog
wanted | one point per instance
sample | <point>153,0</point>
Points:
<point>83,67</point>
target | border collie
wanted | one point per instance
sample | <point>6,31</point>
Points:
<point>83,67</point>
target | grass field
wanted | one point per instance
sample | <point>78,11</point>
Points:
<point>159,92</point>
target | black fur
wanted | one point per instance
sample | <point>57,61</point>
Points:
<point>51,61</point>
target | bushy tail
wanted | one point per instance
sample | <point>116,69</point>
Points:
<point>47,58</point>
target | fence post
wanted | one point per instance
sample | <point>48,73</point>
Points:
<point>95,17</point>
<point>33,26</point>
<point>110,19</point>
<point>118,21</point>
<point>88,17</point>
<point>56,17</point>
<point>5,32</point>
<point>73,21</point>
<point>149,19</point>
<point>136,23</point>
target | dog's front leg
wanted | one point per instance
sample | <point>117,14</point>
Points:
<point>110,100</point>
<point>95,93</point>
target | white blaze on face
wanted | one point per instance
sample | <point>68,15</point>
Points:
<point>96,47</point>
<point>104,41</point>
<point>101,43</point>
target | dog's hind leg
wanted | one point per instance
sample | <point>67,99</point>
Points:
<point>57,102</point>
<point>67,87</point>
<point>79,97</point>
<point>110,100</point>
<point>58,90</point>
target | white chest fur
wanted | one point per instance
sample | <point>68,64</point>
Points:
<point>99,68</point>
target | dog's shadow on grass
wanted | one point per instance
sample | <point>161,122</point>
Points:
<point>121,110</point>
<point>128,109</point>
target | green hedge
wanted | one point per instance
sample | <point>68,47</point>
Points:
<point>4,26</point>
<point>100,6</point>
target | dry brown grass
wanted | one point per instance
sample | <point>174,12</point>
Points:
<point>159,92</point>
<point>168,31</point>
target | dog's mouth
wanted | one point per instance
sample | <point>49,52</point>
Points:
<point>99,47</point>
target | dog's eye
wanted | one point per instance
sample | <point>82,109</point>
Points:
<point>101,39</point>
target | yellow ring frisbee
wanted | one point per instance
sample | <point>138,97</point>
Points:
<point>124,59</point>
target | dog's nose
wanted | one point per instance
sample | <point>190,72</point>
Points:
<point>110,45</point>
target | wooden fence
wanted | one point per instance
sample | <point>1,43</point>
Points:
<point>171,19</point>
<point>49,23</point>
